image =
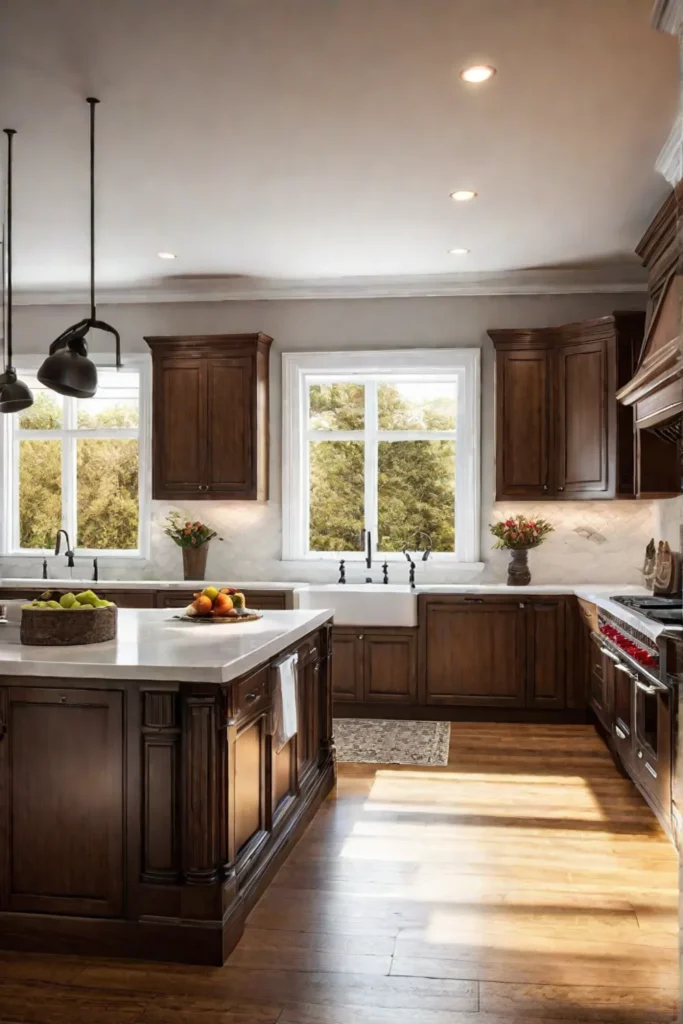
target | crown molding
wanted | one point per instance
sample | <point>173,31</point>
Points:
<point>667,16</point>
<point>602,280</point>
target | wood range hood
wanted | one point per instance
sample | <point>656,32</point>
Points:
<point>656,389</point>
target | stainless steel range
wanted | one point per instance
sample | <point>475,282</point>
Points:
<point>637,687</point>
<point>667,611</point>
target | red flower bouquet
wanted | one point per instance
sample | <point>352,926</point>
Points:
<point>519,533</point>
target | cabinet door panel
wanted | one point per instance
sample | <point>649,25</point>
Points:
<point>582,457</point>
<point>284,776</point>
<point>523,424</point>
<point>250,782</point>
<point>347,665</point>
<point>546,656</point>
<point>475,653</point>
<point>179,429</point>
<point>128,598</point>
<point>64,781</point>
<point>308,715</point>
<point>266,600</point>
<point>230,426</point>
<point>390,669</point>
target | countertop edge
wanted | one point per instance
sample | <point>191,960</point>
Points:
<point>214,675</point>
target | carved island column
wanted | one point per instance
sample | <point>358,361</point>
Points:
<point>202,759</point>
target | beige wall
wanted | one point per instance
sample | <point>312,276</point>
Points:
<point>610,538</point>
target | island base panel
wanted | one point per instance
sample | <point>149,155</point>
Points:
<point>189,942</point>
<point>144,820</point>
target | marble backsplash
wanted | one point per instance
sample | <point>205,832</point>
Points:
<point>593,542</point>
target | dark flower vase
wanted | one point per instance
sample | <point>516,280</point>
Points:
<point>194,562</point>
<point>518,569</point>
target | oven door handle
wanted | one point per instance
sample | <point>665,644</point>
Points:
<point>603,650</point>
<point>648,688</point>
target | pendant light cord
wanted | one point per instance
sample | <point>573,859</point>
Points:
<point>10,133</point>
<point>92,101</point>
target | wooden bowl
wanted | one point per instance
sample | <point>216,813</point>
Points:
<point>47,627</point>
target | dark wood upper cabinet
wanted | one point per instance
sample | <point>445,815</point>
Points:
<point>179,426</point>
<point>524,396</point>
<point>210,417</point>
<point>582,412</point>
<point>560,432</point>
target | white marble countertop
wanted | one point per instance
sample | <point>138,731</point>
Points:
<point>540,588</point>
<point>104,584</point>
<point>153,645</point>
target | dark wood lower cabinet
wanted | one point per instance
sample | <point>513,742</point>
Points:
<point>474,651</point>
<point>470,652</point>
<point>374,666</point>
<point>61,769</point>
<point>260,600</point>
<point>390,666</point>
<point>145,820</point>
<point>128,598</point>
<point>153,597</point>
<point>251,797</point>
<point>546,670</point>
<point>347,664</point>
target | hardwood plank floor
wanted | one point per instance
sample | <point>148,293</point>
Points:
<point>525,882</point>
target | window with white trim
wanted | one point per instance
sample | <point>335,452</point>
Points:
<point>385,442</point>
<point>79,465</point>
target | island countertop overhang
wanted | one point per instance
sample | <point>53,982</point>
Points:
<point>155,646</point>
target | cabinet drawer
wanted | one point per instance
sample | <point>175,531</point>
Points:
<point>127,598</point>
<point>309,651</point>
<point>174,598</point>
<point>250,695</point>
<point>266,600</point>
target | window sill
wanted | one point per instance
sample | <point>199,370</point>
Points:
<point>101,556</point>
<point>393,559</point>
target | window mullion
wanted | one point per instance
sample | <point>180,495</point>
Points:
<point>69,471</point>
<point>15,528</point>
<point>371,459</point>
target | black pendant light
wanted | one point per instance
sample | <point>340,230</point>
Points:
<point>14,394</point>
<point>68,370</point>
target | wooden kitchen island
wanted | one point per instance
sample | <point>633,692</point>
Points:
<point>143,807</point>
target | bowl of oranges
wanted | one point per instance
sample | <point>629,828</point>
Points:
<point>224,605</point>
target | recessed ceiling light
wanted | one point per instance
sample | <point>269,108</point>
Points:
<point>463,195</point>
<point>458,252</point>
<point>477,73</point>
<point>166,255</point>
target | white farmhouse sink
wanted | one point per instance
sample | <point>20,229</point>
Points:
<point>363,604</point>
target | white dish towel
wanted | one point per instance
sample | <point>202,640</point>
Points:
<point>284,701</point>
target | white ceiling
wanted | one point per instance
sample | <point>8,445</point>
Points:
<point>301,139</point>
